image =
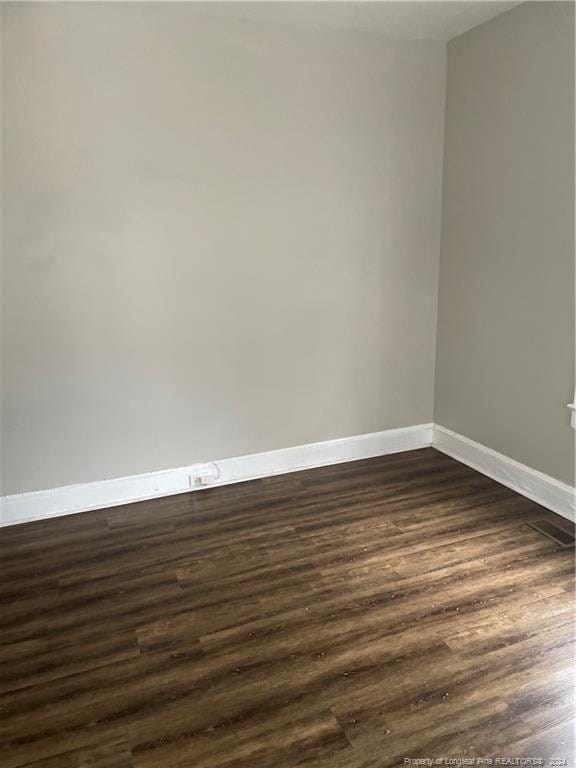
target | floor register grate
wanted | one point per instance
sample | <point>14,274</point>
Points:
<point>552,531</point>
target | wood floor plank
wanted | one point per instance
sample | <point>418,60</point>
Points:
<point>343,617</point>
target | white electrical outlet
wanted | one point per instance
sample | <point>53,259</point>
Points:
<point>204,474</point>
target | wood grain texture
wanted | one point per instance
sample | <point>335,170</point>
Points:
<point>344,617</point>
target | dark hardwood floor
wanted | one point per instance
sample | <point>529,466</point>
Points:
<point>344,617</point>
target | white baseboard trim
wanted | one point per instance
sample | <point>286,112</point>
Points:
<point>41,505</point>
<point>543,489</point>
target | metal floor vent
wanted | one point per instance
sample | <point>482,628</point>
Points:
<point>554,532</point>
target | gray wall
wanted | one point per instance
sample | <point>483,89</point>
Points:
<point>219,238</point>
<point>505,360</point>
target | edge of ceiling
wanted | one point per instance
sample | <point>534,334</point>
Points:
<point>436,20</point>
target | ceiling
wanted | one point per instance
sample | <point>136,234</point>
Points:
<point>410,19</point>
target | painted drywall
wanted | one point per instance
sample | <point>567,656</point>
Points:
<point>505,354</point>
<point>219,237</point>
